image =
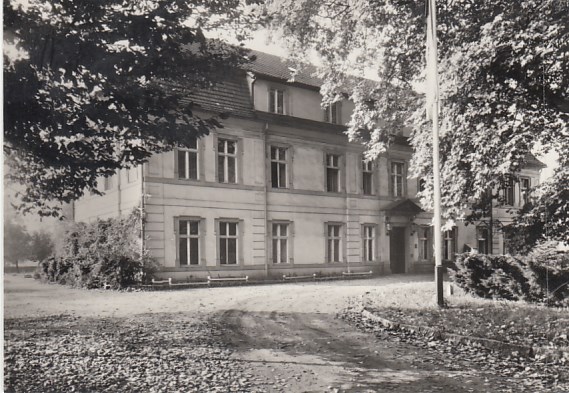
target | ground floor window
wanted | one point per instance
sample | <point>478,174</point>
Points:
<point>280,242</point>
<point>228,242</point>
<point>334,242</point>
<point>188,242</point>
<point>449,244</point>
<point>424,243</point>
<point>368,241</point>
<point>482,234</point>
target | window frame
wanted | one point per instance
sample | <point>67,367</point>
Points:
<point>483,240</point>
<point>200,236</point>
<point>289,241</point>
<point>272,101</point>
<point>341,238</point>
<point>236,155</point>
<point>392,177</point>
<point>509,192</point>
<point>332,113</point>
<point>238,245</point>
<point>108,183</point>
<point>452,238</point>
<point>339,168</point>
<point>367,241</point>
<point>424,243</point>
<point>278,161</point>
<point>367,168</point>
<point>524,192</point>
<point>198,152</point>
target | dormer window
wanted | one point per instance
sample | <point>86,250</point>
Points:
<point>276,101</point>
<point>332,113</point>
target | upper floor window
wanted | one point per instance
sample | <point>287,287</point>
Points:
<point>482,234</point>
<point>188,242</point>
<point>424,243</point>
<point>278,167</point>
<point>280,242</point>
<point>228,242</point>
<point>333,172</point>
<point>332,113</point>
<point>334,242</point>
<point>397,177</point>
<point>368,240</point>
<point>188,162</point>
<point>509,192</point>
<point>226,161</point>
<point>367,177</point>
<point>449,244</point>
<point>132,174</point>
<point>525,185</point>
<point>276,101</point>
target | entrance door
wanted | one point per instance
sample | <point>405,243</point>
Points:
<point>397,250</point>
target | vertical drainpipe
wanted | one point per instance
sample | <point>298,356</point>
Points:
<point>266,190</point>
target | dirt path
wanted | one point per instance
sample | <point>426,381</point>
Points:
<point>285,338</point>
<point>300,352</point>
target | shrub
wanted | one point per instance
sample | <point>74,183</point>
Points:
<point>534,278</point>
<point>106,252</point>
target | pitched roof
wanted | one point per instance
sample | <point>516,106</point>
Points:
<point>404,207</point>
<point>230,95</point>
<point>284,69</point>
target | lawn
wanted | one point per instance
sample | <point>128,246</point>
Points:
<point>512,322</point>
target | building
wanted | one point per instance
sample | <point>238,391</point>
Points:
<point>280,190</point>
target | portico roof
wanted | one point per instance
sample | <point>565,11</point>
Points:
<point>403,207</point>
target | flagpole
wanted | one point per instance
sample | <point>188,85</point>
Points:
<point>433,110</point>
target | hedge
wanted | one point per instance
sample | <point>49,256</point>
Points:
<point>538,277</point>
<point>105,253</point>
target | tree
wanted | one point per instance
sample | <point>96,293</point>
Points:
<point>504,73</point>
<point>16,242</point>
<point>41,246</point>
<point>83,86</point>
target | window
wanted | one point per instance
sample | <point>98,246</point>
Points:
<point>482,234</point>
<point>334,242</point>
<point>397,179</point>
<point>108,183</point>
<point>226,161</point>
<point>188,242</point>
<point>278,167</point>
<point>367,177</point>
<point>509,192</point>
<point>449,244</point>
<point>525,185</point>
<point>332,113</point>
<point>276,101</point>
<point>368,241</point>
<point>332,173</point>
<point>228,242</point>
<point>424,243</point>
<point>188,162</point>
<point>507,242</point>
<point>280,242</point>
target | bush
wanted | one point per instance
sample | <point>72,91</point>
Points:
<point>536,278</point>
<point>103,253</point>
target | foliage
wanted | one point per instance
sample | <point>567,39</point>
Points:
<point>83,91</point>
<point>545,219</point>
<point>504,81</point>
<point>16,242</point>
<point>103,252</point>
<point>536,278</point>
<point>41,245</point>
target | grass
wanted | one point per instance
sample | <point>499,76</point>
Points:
<point>513,322</point>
